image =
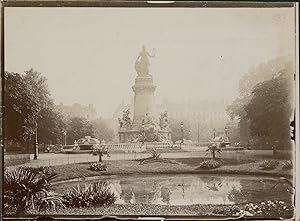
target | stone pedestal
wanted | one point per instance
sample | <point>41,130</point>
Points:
<point>143,99</point>
<point>131,136</point>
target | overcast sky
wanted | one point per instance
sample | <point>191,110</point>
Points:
<point>88,54</point>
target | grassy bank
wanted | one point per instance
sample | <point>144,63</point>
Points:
<point>169,210</point>
<point>178,166</point>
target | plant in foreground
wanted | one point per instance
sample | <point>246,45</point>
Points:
<point>98,167</point>
<point>50,201</point>
<point>210,164</point>
<point>287,165</point>
<point>269,164</point>
<point>100,151</point>
<point>270,208</point>
<point>227,210</point>
<point>93,195</point>
<point>47,170</point>
<point>213,149</point>
<point>155,154</point>
<point>274,209</point>
<point>155,157</point>
<point>23,188</point>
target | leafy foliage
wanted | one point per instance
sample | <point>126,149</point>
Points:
<point>48,201</point>
<point>176,129</point>
<point>210,164</point>
<point>270,208</point>
<point>287,165</point>
<point>102,129</point>
<point>264,94</point>
<point>270,109</point>
<point>227,211</point>
<point>213,149</point>
<point>78,128</point>
<point>46,170</point>
<point>269,164</point>
<point>29,106</point>
<point>93,195</point>
<point>154,154</point>
<point>100,151</point>
<point>23,187</point>
<point>98,167</point>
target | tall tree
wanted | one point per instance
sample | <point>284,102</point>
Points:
<point>270,110</point>
<point>28,106</point>
<point>50,126</point>
<point>77,128</point>
<point>260,73</point>
<point>176,129</point>
<point>20,109</point>
<point>103,131</point>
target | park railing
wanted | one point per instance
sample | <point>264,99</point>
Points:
<point>140,147</point>
<point>53,159</point>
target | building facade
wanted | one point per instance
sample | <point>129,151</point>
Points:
<point>78,110</point>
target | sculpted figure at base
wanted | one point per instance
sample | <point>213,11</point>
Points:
<point>164,121</point>
<point>126,121</point>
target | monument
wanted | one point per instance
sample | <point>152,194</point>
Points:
<point>144,127</point>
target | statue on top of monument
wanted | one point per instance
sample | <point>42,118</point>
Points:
<point>142,62</point>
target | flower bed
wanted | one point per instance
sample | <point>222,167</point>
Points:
<point>97,167</point>
<point>269,164</point>
<point>210,164</point>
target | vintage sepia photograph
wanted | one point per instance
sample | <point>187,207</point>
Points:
<point>184,112</point>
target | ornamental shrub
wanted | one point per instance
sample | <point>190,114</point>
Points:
<point>210,164</point>
<point>93,195</point>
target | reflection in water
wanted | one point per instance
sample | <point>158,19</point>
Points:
<point>176,190</point>
<point>193,189</point>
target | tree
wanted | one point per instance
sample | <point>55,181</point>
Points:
<point>78,127</point>
<point>270,110</point>
<point>256,75</point>
<point>176,128</point>
<point>213,149</point>
<point>100,151</point>
<point>28,106</point>
<point>103,131</point>
<point>21,109</point>
<point>50,126</point>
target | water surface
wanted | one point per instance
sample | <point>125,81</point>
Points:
<point>189,189</point>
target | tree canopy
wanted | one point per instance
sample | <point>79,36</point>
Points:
<point>270,110</point>
<point>176,129</point>
<point>29,107</point>
<point>264,104</point>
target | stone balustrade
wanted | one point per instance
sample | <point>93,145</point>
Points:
<point>141,146</point>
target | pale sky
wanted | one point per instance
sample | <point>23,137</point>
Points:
<point>88,54</point>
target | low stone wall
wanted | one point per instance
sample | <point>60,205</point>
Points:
<point>16,159</point>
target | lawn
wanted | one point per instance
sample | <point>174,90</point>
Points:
<point>179,166</point>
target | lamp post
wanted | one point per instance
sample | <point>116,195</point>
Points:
<point>65,136</point>
<point>143,132</point>
<point>36,150</point>
<point>198,131</point>
<point>226,131</point>
<point>181,127</point>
